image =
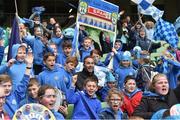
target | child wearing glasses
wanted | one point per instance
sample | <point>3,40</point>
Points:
<point>115,101</point>
<point>47,97</point>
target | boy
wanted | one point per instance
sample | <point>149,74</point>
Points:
<point>13,97</point>
<point>86,105</point>
<point>86,49</point>
<point>67,52</point>
<point>51,74</point>
<point>33,88</point>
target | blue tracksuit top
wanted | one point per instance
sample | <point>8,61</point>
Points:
<point>27,100</point>
<point>122,72</point>
<point>103,93</point>
<point>17,70</point>
<point>66,77</point>
<point>84,53</point>
<point>57,115</point>
<point>58,41</point>
<point>13,100</point>
<point>79,111</point>
<point>52,77</point>
<point>108,113</point>
<point>61,58</point>
<point>116,59</point>
<point>38,48</point>
<point>172,70</point>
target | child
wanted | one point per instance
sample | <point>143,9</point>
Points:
<point>124,69</point>
<point>115,101</point>
<point>51,74</point>
<point>110,83</point>
<point>132,95</point>
<point>116,52</point>
<point>86,49</point>
<point>67,52</point>
<point>96,54</point>
<point>86,105</point>
<point>16,66</point>
<point>39,46</point>
<point>47,97</point>
<point>3,115</point>
<point>13,97</point>
<point>33,88</point>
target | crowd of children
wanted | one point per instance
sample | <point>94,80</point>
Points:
<point>46,62</point>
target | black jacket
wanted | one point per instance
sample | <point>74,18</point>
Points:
<point>151,104</point>
<point>82,77</point>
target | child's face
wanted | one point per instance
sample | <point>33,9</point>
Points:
<point>7,88</point>
<point>58,32</point>
<point>2,99</point>
<point>125,63</point>
<point>50,62</point>
<point>48,99</point>
<point>91,88</point>
<point>111,84</point>
<point>96,57</point>
<point>21,54</point>
<point>87,44</point>
<point>70,67</point>
<point>142,33</point>
<point>117,45</point>
<point>33,91</point>
<point>115,102</point>
<point>38,32</point>
<point>67,51</point>
<point>130,86</point>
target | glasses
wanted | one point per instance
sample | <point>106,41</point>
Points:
<point>48,96</point>
<point>114,100</point>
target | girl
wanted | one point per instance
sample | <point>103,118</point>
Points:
<point>115,101</point>
<point>47,97</point>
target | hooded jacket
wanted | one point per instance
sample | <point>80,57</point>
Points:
<point>17,70</point>
<point>52,77</point>
<point>13,100</point>
<point>80,111</point>
<point>152,102</point>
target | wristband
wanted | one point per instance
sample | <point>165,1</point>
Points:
<point>28,67</point>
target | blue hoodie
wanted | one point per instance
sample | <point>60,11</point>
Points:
<point>53,78</point>
<point>38,48</point>
<point>13,100</point>
<point>27,100</point>
<point>122,72</point>
<point>108,113</point>
<point>84,53</point>
<point>172,70</point>
<point>61,58</point>
<point>17,70</point>
<point>58,41</point>
<point>57,115</point>
<point>80,111</point>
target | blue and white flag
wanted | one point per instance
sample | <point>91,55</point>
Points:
<point>151,10</point>
<point>143,3</point>
<point>166,31</point>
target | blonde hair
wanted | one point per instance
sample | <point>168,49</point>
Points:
<point>154,80</point>
<point>114,91</point>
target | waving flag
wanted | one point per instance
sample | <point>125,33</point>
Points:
<point>166,31</point>
<point>144,3</point>
<point>15,38</point>
<point>177,24</point>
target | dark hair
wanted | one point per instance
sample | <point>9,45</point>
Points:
<point>33,81</point>
<point>66,43</point>
<point>87,58</point>
<point>73,60</point>
<point>46,55</point>
<point>128,78</point>
<point>5,78</point>
<point>96,52</point>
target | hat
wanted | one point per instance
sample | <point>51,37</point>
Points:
<point>110,77</point>
<point>126,56</point>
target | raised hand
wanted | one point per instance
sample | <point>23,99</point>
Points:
<point>10,62</point>
<point>74,80</point>
<point>29,59</point>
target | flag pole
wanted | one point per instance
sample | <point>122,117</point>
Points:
<point>16,7</point>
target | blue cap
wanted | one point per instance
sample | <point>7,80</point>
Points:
<point>126,56</point>
<point>110,77</point>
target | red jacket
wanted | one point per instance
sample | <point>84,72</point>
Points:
<point>130,103</point>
